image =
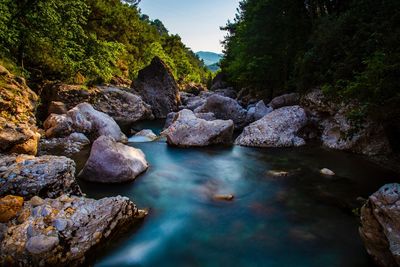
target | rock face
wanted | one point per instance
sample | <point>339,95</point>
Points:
<point>121,104</point>
<point>224,108</point>
<point>380,225</point>
<point>277,129</point>
<point>158,88</point>
<point>285,100</point>
<point>125,108</point>
<point>336,130</point>
<point>112,162</point>
<point>83,119</point>
<point>18,132</point>
<point>46,176</point>
<point>69,145</point>
<point>65,231</point>
<point>188,130</point>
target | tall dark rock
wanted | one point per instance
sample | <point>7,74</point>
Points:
<point>158,88</point>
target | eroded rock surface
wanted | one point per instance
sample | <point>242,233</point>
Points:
<point>65,231</point>
<point>45,176</point>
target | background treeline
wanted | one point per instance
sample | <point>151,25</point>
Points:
<point>349,48</point>
<point>95,39</point>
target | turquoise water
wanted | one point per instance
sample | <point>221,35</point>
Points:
<point>304,219</point>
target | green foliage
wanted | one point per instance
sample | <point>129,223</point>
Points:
<point>55,39</point>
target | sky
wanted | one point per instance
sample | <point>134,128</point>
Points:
<point>196,21</point>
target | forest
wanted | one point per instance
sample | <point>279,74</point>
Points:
<point>89,41</point>
<point>349,49</point>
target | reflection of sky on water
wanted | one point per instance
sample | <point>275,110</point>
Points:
<point>299,220</point>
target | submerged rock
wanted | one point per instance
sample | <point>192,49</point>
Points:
<point>45,176</point>
<point>83,119</point>
<point>224,108</point>
<point>277,129</point>
<point>224,197</point>
<point>380,226</point>
<point>112,162</point>
<point>157,86</point>
<point>188,130</point>
<point>147,133</point>
<point>63,231</point>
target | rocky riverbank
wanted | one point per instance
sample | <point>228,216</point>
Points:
<point>47,219</point>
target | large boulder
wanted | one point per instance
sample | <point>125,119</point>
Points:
<point>66,231</point>
<point>277,129</point>
<point>124,107</point>
<point>157,86</point>
<point>380,226</point>
<point>205,116</point>
<point>285,100</point>
<point>336,131</point>
<point>45,176</point>
<point>121,104</point>
<point>188,130</point>
<point>112,162</point>
<point>224,108</point>
<point>18,132</point>
<point>83,119</point>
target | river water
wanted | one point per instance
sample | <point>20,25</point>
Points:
<point>303,219</point>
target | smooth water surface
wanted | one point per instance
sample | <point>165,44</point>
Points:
<point>304,219</point>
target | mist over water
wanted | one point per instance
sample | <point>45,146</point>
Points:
<point>304,219</point>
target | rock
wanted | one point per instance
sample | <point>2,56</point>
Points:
<point>36,201</point>
<point>277,129</point>
<point>285,100</point>
<point>193,88</point>
<point>276,173</point>
<point>46,176</point>
<point>69,145</point>
<point>10,206</point>
<point>205,116</point>
<point>157,86</point>
<point>121,81</point>
<point>258,111</point>
<point>124,107</point>
<point>380,225</point>
<point>219,82</point>
<point>327,172</point>
<point>83,119</point>
<point>147,133</point>
<point>224,197</point>
<point>227,92</point>
<point>336,131</point>
<point>194,102</point>
<point>112,162</point>
<point>224,108</point>
<point>41,244</point>
<point>69,233</point>
<point>57,107</point>
<point>18,131</point>
<point>188,130</point>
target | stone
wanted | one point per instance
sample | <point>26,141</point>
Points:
<point>256,112</point>
<point>83,119</point>
<point>224,197</point>
<point>18,131</point>
<point>209,116</point>
<point>277,129</point>
<point>57,107</point>
<point>45,176</point>
<point>224,108</point>
<point>36,201</point>
<point>380,226</point>
<point>276,173</point>
<point>285,100</point>
<point>327,172</point>
<point>193,88</point>
<point>41,244</point>
<point>188,130</point>
<point>69,145</point>
<point>112,162</point>
<point>147,133</point>
<point>157,86</point>
<point>10,206</point>
<point>69,234</point>
<point>227,92</point>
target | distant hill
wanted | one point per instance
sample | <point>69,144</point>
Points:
<point>211,59</point>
